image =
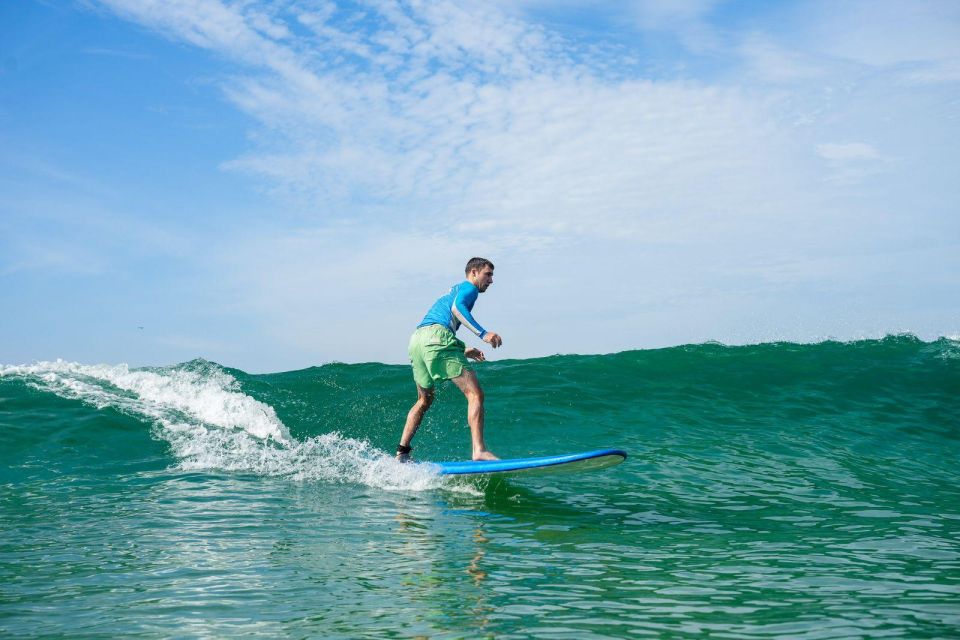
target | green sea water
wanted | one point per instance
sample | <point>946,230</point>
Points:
<point>772,491</point>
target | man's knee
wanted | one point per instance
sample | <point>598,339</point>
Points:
<point>474,394</point>
<point>425,399</point>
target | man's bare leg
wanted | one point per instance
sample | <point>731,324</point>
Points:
<point>414,418</point>
<point>470,385</point>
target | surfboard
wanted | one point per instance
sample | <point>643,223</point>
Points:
<point>565,463</point>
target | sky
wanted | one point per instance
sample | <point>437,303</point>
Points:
<point>277,185</point>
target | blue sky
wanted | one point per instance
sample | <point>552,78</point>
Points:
<point>276,185</point>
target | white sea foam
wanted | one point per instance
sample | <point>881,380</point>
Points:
<point>211,424</point>
<point>209,397</point>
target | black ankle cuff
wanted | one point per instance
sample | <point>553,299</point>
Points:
<point>403,450</point>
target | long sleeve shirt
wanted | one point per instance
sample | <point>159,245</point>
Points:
<point>453,309</point>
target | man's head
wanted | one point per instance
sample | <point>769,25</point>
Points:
<point>480,272</point>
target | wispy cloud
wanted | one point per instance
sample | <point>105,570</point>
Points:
<point>687,19</point>
<point>463,110</point>
<point>773,62</point>
<point>407,135</point>
<point>848,151</point>
<point>886,33</point>
<point>851,162</point>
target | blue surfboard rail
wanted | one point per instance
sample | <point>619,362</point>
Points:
<point>599,459</point>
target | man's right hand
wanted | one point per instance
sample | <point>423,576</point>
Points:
<point>493,339</point>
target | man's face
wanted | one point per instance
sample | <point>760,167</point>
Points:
<point>482,278</point>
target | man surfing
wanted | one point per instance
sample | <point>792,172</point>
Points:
<point>436,355</point>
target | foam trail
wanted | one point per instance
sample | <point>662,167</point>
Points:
<point>210,424</point>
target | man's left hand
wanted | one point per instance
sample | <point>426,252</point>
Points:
<point>475,354</point>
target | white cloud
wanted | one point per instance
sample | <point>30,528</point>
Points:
<point>773,62</point>
<point>412,135</point>
<point>914,42</point>
<point>889,32</point>
<point>848,151</point>
<point>687,19</point>
<point>464,112</point>
<point>851,162</point>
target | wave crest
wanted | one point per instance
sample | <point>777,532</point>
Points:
<point>209,423</point>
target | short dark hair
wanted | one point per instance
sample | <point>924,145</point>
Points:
<point>477,263</point>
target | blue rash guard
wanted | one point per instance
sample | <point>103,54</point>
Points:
<point>454,309</point>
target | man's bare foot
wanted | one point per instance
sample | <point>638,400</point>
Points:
<point>403,457</point>
<point>484,455</point>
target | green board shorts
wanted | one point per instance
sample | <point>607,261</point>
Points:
<point>436,354</point>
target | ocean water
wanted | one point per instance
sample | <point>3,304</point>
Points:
<point>772,491</point>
